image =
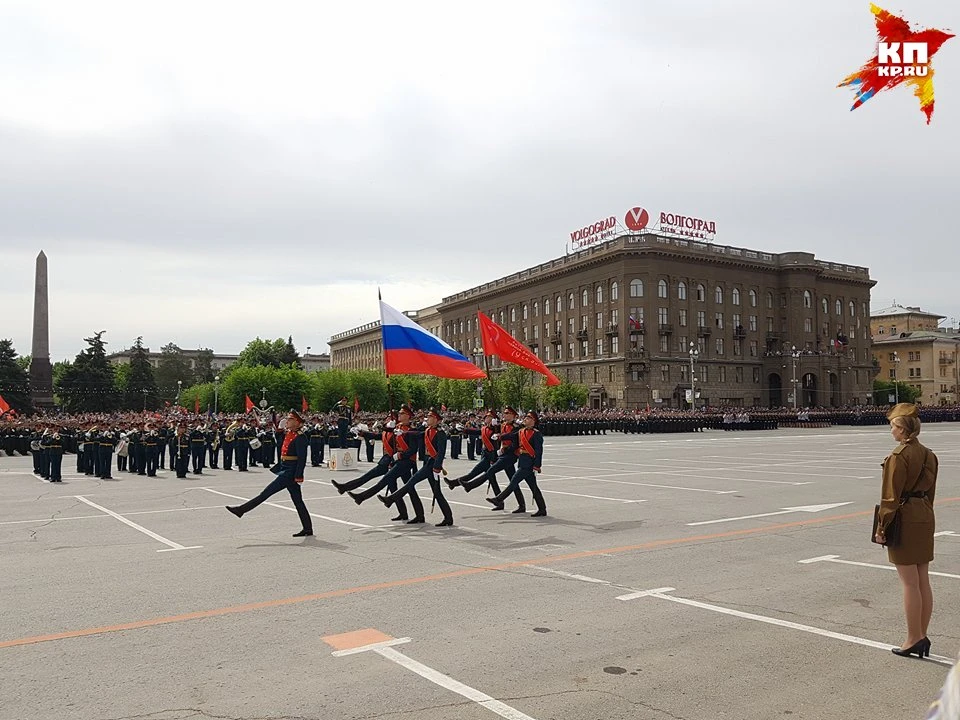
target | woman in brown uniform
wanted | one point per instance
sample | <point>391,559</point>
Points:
<point>909,482</point>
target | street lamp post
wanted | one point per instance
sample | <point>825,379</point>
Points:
<point>179,386</point>
<point>216,393</point>
<point>896,386</point>
<point>794,356</point>
<point>694,356</point>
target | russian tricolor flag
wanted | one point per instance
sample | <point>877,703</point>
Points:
<point>408,349</point>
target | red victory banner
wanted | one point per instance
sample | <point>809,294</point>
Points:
<point>248,403</point>
<point>304,405</point>
<point>497,341</point>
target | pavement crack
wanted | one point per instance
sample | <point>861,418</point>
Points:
<point>618,696</point>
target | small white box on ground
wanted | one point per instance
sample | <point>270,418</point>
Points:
<point>342,459</point>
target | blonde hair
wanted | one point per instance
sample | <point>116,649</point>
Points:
<point>909,424</point>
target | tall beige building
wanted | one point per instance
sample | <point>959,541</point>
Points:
<point>622,318</point>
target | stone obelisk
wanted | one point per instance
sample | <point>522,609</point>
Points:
<point>41,372</point>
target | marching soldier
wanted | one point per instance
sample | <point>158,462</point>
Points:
<point>289,471</point>
<point>242,448</point>
<point>506,462</point>
<point>151,446</point>
<point>213,445</point>
<point>529,443</point>
<point>316,442</point>
<point>55,454</point>
<point>106,443</point>
<point>404,466</point>
<point>180,450</point>
<point>229,442</point>
<point>198,449</point>
<point>435,446</point>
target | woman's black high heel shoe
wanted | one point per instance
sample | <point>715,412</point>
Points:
<point>920,648</point>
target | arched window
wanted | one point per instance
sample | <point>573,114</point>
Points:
<point>770,300</point>
<point>839,308</point>
<point>753,298</point>
<point>662,289</point>
<point>584,298</point>
<point>807,299</point>
<point>614,291</point>
<point>536,308</point>
<point>701,293</point>
<point>571,302</point>
<point>523,312</point>
<point>599,294</point>
<point>682,290</point>
<point>636,288</point>
<point>881,330</point>
<point>546,306</point>
<point>557,306</point>
<point>513,314</point>
<point>718,295</point>
<point>735,296</point>
<point>853,309</point>
<point>825,306</point>
<point>501,317</point>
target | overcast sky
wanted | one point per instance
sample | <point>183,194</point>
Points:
<point>206,172</point>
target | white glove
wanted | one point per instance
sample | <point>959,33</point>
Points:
<point>459,426</point>
<point>494,422</point>
<point>391,425</point>
<point>396,456</point>
<point>398,432</point>
<point>495,436</point>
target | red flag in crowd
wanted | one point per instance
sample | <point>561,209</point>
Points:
<point>304,405</point>
<point>356,404</point>
<point>497,341</point>
<point>443,407</point>
<point>248,403</point>
<point>4,407</point>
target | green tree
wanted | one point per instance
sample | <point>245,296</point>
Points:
<point>513,384</point>
<point>284,388</point>
<point>14,380</point>
<point>882,389</point>
<point>173,366</point>
<point>88,385</point>
<point>289,355</point>
<point>456,394</point>
<point>370,388</point>
<point>263,353</point>
<point>330,386</point>
<point>140,388</point>
<point>203,367</point>
<point>24,362</point>
<point>565,395</point>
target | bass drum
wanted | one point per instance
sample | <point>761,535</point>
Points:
<point>255,444</point>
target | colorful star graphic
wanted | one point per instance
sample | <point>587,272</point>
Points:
<point>892,29</point>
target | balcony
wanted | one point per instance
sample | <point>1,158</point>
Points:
<point>946,361</point>
<point>665,328</point>
<point>739,333</point>
<point>613,329</point>
<point>636,354</point>
<point>772,336</point>
<point>637,328</point>
<point>556,338</point>
<point>704,331</point>
<point>582,335</point>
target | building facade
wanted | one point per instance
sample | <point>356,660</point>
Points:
<point>926,360</point>
<point>626,317</point>
<point>221,361</point>
<point>896,319</point>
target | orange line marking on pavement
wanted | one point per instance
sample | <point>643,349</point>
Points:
<point>355,639</point>
<point>404,582</point>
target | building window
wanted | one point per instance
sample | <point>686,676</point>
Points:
<point>546,353</point>
<point>752,323</point>
<point>546,307</point>
<point>523,311</point>
<point>719,346</point>
<point>615,345</point>
<point>513,314</point>
<point>580,374</point>
<point>599,294</point>
<point>853,309</point>
<point>682,344</point>
<point>501,317</point>
<point>571,325</point>
<point>701,293</point>
<point>664,344</point>
<point>662,317</point>
<point>701,318</point>
<point>584,349</point>
<point>718,295</point>
<point>753,348</point>
<point>684,373</point>
<point>704,374</point>
<point>839,308</point>
<point>571,302</point>
<point>893,329</point>
<point>738,374</point>
<point>636,288</point>
<point>736,322</point>
<point>783,300</point>
<point>583,322</point>
<point>662,289</point>
<point>753,298</point>
<point>525,334</point>
<point>636,317</point>
<point>718,320</point>
<point>807,299</point>
<point>769,324</point>
<point>536,332</point>
<point>824,306</point>
<point>584,299</point>
<point>735,296</point>
<point>722,373</point>
<point>596,373</point>
<point>893,374</point>
<point>682,291</point>
<point>808,325</point>
<point>756,375</point>
<point>738,347</point>
<point>683,317</point>
<point>665,373</point>
<point>570,350</point>
<point>615,318</point>
<point>769,300</point>
<point>600,321</point>
<point>611,372</point>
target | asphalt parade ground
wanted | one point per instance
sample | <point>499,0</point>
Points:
<point>694,576</point>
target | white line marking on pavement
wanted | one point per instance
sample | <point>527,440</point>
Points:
<point>641,484</point>
<point>91,517</point>
<point>946,533</point>
<point>445,681</point>
<point>571,576</point>
<point>452,502</point>
<point>645,593</point>
<point>171,545</point>
<point>371,646</point>
<point>784,511</point>
<point>284,507</point>
<point>660,595</point>
<point>836,559</point>
<point>592,497</point>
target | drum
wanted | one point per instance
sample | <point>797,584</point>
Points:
<point>255,443</point>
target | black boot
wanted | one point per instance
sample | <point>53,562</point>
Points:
<point>235,510</point>
<point>356,498</point>
<point>304,533</point>
<point>339,487</point>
